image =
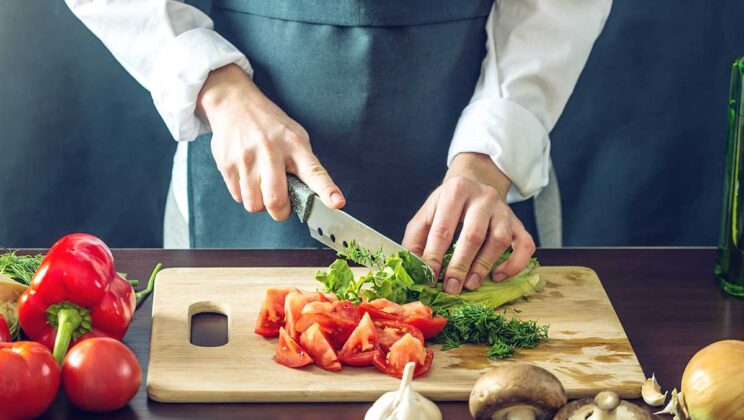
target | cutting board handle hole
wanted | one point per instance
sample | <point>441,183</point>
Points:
<point>208,325</point>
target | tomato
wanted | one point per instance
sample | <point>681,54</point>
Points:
<point>271,316</point>
<point>362,345</point>
<point>391,331</point>
<point>289,353</point>
<point>100,375</point>
<point>338,319</point>
<point>4,331</point>
<point>415,310</point>
<point>29,379</point>
<point>382,309</point>
<point>430,327</point>
<point>407,349</point>
<point>314,341</point>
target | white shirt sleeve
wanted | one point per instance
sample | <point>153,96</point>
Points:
<point>169,47</point>
<point>536,50</point>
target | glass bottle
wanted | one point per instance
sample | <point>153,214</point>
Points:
<point>730,259</point>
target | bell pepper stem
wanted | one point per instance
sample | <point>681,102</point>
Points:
<point>133,283</point>
<point>143,294</point>
<point>68,320</point>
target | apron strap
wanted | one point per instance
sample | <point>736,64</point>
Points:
<point>548,213</point>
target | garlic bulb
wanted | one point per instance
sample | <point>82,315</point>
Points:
<point>651,392</point>
<point>403,404</point>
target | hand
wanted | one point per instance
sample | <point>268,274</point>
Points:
<point>255,144</point>
<point>473,192</point>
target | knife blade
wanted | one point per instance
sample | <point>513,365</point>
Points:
<point>336,228</point>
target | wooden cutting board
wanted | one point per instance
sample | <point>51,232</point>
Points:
<point>588,349</point>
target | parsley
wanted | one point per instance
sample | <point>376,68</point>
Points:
<point>477,324</point>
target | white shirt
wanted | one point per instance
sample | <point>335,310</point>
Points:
<point>536,50</point>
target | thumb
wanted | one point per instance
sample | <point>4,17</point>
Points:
<point>312,173</point>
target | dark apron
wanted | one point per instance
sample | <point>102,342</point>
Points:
<point>378,84</point>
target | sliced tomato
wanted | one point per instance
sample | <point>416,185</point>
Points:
<point>293,305</point>
<point>430,327</point>
<point>362,345</point>
<point>338,319</point>
<point>289,353</point>
<point>382,309</point>
<point>416,310</point>
<point>407,349</point>
<point>271,316</point>
<point>314,341</point>
<point>390,332</point>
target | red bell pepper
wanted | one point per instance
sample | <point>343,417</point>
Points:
<point>4,331</point>
<point>29,380</point>
<point>76,294</point>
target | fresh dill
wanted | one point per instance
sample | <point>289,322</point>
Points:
<point>477,324</point>
<point>20,268</point>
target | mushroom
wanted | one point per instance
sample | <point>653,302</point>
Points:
<point>516,391</point>
<point>607,405</point>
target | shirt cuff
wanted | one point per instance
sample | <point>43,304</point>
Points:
<point>514,138</point>
<point>180,73</point>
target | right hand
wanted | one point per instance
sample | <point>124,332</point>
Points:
<point>255,144</point>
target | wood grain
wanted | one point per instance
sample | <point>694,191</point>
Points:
<point>588,349</point>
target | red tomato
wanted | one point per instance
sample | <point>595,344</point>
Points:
<point>271,317</point>
<point>382,309</point>
<point>407,349</point>
<point>29,379</point>
<point>362,345</point>
<point>4,331</point>
<point>289,353</point>
<point>100,375</point>
<point>338,319</point>
<point>430,327</point>
<point>390,332</point>
<point>293,305</point>
<point>416,310</point>
<point>314,341</point>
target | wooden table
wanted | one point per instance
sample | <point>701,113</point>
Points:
<point>667,300</point>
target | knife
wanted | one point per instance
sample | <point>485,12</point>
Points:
<point>337,229</point>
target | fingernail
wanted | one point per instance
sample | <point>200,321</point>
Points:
<point>498,276</point>
<point>336,198</point>
<point>473,282</point>
<point>452,286</point>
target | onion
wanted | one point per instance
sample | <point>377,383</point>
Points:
<point>10,290</point>
<point>713,382</point>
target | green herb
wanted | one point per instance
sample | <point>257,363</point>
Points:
<point>478,324</point>
<point>363,256</point>
<point>20,268</point>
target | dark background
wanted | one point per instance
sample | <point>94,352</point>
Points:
<point>639,150</point>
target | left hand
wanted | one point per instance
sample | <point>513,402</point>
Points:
<point>473,192</point>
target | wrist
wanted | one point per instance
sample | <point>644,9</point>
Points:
<point>223,87</point>
<point>479,167</point>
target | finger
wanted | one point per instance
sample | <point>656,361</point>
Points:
<point>495,244</point>
<point>523,246</point>
<point>417,229</point>
<point>274,187</point>
<point>309,170</point>
<point>250,190</point>
<point>446,217</point>
<point>232,181</point>
<point>472,236</point>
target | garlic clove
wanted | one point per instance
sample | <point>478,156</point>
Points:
<point>404,404</point>
<point>674,407</point>
<point>651,392</point>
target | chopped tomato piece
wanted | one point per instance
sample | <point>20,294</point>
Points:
<point>289,353</point>
<point>430,327</point>
<point>382,309</point>
<point>314,341</point>
<point>271,316</point>
<point>390,332</point>
<point>407,349</point>
<point>416,310</point>
<point>338,319</point>
<point>293,305</point>
<point>362,345</point>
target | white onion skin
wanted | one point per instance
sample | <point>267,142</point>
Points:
<point>713,382</point>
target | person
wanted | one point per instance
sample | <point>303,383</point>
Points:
<point>373,103</point>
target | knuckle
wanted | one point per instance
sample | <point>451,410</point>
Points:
<point>294,138</point>
<point>473,238</point>
<point>490,194</point>
<point>501,239</point>
<point>457,268</point>
<point>481,265</point>
<point>275,201</point>
<point>441,231</point>
<point>459,184</point>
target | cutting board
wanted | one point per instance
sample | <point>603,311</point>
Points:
<point>588,349</point>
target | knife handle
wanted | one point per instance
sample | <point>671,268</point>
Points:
<point>301,197</point>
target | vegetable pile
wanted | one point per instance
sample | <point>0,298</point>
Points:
<point>383,318</point>
<point>318,327</point>
<point>73,296</point>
